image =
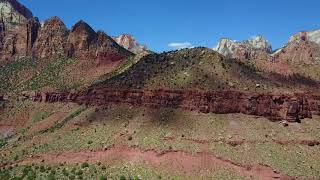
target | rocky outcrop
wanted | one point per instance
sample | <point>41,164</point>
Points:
<point>52,39</point>
<point>18,29</point>
<point>257,47</point>
<point>311,36</point>
<point>85,43</point>
<point>19,41</point>
<point>275,107</point>
<point>303,47</point>
<point>12,14</point>
<point>128,42</point>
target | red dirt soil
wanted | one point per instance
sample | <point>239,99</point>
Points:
<point>170,160</point>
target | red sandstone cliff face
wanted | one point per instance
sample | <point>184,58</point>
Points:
<point>274,107</point>
<point>24,36</point>
<point>19,41</point>
<point>85,43</point>
<point>54,40</point>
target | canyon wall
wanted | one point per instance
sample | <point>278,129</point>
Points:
<point>291,108</point>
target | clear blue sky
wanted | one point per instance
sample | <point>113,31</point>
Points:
<point>200,22</point>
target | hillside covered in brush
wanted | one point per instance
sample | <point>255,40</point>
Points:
<point>202,68</point>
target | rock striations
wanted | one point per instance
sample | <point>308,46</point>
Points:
<point>291,108</point>
<point>22,35</point>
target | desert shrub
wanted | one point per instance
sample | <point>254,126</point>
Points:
<point>84,165</point>
<point>5,174</point>
<point>51,177</point>
<point>65,172</point>
<point>42,169</point>
<point>103,178</point>
<point>79,172</point>
<point>16,157</point>
<point>72,177</point>
<point>3,142</point>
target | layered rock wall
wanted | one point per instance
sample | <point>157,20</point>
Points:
<point>274,107</point>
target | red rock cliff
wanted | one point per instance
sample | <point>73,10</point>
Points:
<point>275,107</point>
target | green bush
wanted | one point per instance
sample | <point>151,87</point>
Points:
<point>103,178</point>
<point>51,177</point>
<point>42,169</point>
<point>84,165</point>
<point>16,157</point>
<point>3,142</point>
<point>65,172</point>
<point>4,174</point>
<point>79,172</point>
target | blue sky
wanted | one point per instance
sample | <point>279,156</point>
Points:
<point>193,22</point>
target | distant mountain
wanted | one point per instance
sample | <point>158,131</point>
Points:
<point>301,55</point>
<point>303,47</point>
<point>128,41</point>
<point>248,49</point>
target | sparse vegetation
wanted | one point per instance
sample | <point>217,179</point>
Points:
<point>40,115</point>
<point>13,73</point>
<point>49,75</point>
<point>3,142</point>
